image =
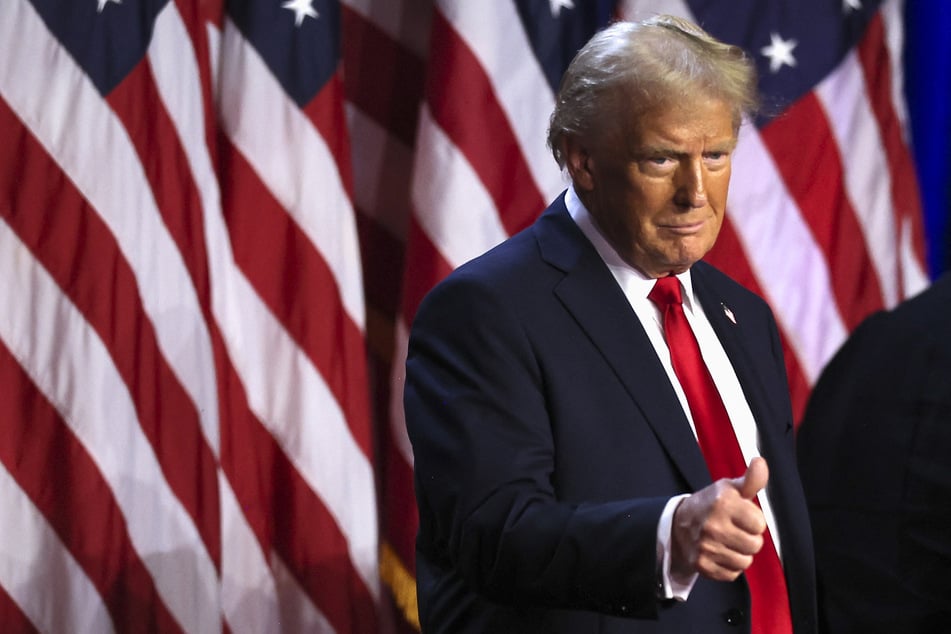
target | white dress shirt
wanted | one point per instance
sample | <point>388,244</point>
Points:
<point>636,287</point>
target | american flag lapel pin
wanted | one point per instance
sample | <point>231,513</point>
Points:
<point>729,313</point>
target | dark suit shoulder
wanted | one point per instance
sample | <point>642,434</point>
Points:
<point>521,263</point>
<point>873,450</point>
<point>928,314</point>
<point>497,264</point>
<point>890,346</point>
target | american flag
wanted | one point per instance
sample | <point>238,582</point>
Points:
<point>218,218</point>
<point>187,440</point>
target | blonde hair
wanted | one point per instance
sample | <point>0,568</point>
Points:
<point>643,65</point>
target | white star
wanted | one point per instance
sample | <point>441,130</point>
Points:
<point>851,5</point>
<point>301,9</point>
<point>558,5</point>
<point>103,3</point>
<point>779,52</point>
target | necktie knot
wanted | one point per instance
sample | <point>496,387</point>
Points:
<point>666,291</point>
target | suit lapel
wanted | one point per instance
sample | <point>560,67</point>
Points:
<point>768,400</point>
<point>749,346</point>
<point>613,327</point>
<point>729,325</point>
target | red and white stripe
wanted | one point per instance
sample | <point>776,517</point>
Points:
<point>298,357</point>
<point>104,368</point>
<point>382,111</point>
<point>220,449</point>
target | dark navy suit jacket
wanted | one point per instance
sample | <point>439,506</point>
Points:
<point>547,439</point>
<point>875,458</point>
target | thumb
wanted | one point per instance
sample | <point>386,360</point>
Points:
<point>755,478</point>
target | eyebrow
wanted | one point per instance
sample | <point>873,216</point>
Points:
<point>667,150</point>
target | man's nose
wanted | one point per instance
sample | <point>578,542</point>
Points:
<point>691,184</point>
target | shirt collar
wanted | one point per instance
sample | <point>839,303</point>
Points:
<point>626,274</point>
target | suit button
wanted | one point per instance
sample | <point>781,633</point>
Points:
<point>734,617</point>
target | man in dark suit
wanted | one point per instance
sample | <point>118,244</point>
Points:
<point>875,457</point>
<point>559,479</point>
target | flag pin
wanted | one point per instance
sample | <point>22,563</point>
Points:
<point>729,313</point>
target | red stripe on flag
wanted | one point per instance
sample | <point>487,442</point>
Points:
<point>425,266</point>
<point>54,470</point>
<point>877,71</point>
<point>138,105</point>
<point>315,560</point>
<point>383,257</point>
<point>390,96</point>
<point>195,17</point>
<point>286,516</point>
<point>729,256</point>
<point>325,112</point>
<point>80,253</point>
<point>462,101</point>
<point>292,278</point>
<point>392,92</point>
<point>814,176</point>
<point>399,507</point>
<point>13,619</point>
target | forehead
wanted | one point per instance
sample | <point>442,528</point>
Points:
<point>684,123</point>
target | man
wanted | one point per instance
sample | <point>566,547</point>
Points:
<point>560,482</point>
<point>875,456</point>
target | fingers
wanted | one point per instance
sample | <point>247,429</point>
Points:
<point>755,478</point>
<point>724,555</point>
<point>722,570</point>
<point>717,530</point>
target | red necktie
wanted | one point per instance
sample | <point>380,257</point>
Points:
<point>721,451</point>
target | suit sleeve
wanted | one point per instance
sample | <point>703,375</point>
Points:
<point>477,415</point>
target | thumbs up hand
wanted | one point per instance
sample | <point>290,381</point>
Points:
<point>754,480</point>
<point>717,530</point>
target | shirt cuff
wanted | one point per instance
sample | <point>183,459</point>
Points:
<point>667,586</point>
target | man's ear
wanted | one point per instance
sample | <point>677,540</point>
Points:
<point>578,163</point>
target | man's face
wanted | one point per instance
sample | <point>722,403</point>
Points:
<point>658,194</point>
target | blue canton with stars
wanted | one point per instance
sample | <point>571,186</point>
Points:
<point>304,56</point>
<point>556,33</point>
<point>107,44</point>
<point>823,33</point>
<point>807,38</point>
